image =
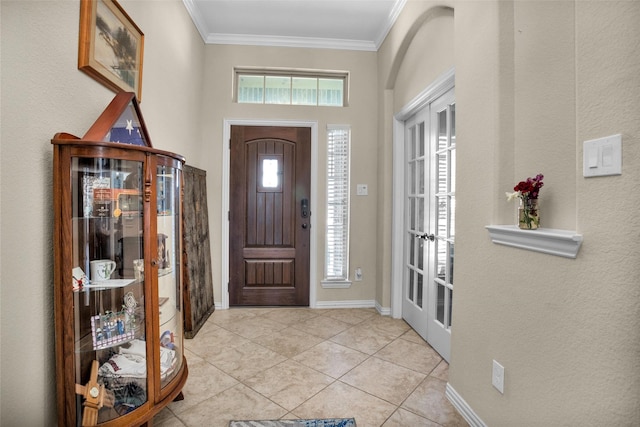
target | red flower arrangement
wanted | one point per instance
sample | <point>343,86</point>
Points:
<point>527,190</point>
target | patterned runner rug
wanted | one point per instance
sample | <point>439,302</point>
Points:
<point>332,422</point>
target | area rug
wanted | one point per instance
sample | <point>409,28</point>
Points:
<point>331,422</point>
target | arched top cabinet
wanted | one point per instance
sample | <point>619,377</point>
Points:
<point>118,285</point>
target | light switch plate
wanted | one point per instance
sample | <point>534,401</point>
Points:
<point>362,190</point>
<point>602,156</point>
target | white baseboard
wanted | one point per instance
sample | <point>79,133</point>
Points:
<point>465,410</point>
<point>384,311</point>
<point>346,304</point>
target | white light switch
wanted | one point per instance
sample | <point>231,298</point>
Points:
<point>602,156</point>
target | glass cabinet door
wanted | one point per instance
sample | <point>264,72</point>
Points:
<point>108,285</point>
<point>169,272</point>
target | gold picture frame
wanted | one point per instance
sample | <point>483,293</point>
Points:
<point>111,46</point>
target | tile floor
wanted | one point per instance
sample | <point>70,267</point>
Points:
<point>272,363</point>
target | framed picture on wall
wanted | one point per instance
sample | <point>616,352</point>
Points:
<point>111,46</point>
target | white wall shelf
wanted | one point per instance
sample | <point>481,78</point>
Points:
<point>562,243</point>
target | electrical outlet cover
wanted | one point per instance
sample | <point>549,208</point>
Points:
<point>497,377</point>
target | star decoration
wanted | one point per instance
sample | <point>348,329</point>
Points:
<point>129,126</point>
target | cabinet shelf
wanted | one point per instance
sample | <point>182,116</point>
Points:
<point>550,241</point>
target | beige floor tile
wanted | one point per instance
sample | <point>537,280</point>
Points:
<point>364,338</point>
<point>441,371</point>
<point>403,418</point>
<point>352,316</point>
<point>395,327</point>
<point>237,403</point>
<point>322,326</point>
<point>203,382</point>
<point>419,357</point>
<point>429,401</point>
<point>291,316</point>
<point>166,419</point>
<point>206,327</point>
<point>330,358</point>
<point>340,400</point>
<point>383,379</point>
<point>288,342</point>
<point>413,336</point>
<point>289,383</point>
<point>245,361</point>
<point>214,341</point>
<point>253,327</point>
<point>222,317</point>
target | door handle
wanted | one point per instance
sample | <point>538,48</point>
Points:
<point>304,207</point>
<point>427,236</point>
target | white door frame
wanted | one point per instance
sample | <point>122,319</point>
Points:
<point>226,170</point>
<point>439,87</point>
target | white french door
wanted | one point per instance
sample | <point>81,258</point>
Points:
<point>429,221</point>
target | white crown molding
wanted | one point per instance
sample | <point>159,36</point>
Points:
<point>280,41</point>
<point>391,19</point>
<point>195,17</point>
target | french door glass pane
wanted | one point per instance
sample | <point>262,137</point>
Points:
<point>450,293</point>
<point>441,183</point>
<point>419,290</point>
<point>441,259</point>
<point>451,256</point>
<point>421,140</point>
<point>452,167</point>
<point>421,176</point>
<point>452,217</point>
<point>442,216</point>
<point>411,286</point>
<point>442,131</point>
<point>440,303</point>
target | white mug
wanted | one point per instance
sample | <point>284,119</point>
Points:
<point>101,269</point>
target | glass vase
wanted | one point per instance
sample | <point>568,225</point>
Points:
<point>528,214</point>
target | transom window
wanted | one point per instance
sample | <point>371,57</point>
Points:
<point>291,87</point>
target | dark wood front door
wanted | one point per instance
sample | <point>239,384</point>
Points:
<point>269,219</point>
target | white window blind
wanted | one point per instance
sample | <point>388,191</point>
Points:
<point>337,233</point>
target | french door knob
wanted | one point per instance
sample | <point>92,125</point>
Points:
<point>427,236</point>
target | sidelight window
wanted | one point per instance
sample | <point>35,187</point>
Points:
<point>337,232</point>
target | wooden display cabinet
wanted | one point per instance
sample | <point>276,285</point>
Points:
<point>118,280</point>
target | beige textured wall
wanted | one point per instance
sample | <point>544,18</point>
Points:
<point>534,80</point>
<point>360,114</point>
<point>44,93</point>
